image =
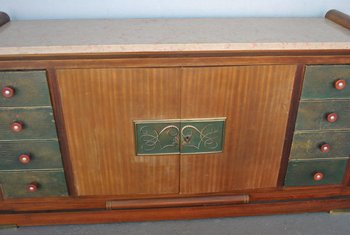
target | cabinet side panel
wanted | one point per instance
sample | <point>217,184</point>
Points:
<point>99,107</point>
<point>255,100</point>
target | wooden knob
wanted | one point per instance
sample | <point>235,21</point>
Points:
<point>24,158</point>
<point>340,84</point>
<point>16,127</point>
<point>8,92</point>
<point>32,187</point>
<point>332,117</point>
<point>325,148</point>
<point>318,176</point>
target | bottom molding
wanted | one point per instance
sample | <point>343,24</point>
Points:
<point>176,202</point>
<point>176,213</point>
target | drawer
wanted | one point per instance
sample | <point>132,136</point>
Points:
<point>29,89</point>
<point>37,123</point>
<point>328,144</point>
<point>315,172</point>
<point>325,81</point>
<point>15,184</point>
<point>313,115</point>
<point>39,154</point>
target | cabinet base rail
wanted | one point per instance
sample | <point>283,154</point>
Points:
<point>176,202</point>
<point>174,213</point>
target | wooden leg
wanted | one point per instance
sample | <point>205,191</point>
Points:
<point>339,211</point>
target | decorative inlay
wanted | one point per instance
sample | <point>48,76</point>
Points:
<point>157,137</point>
<point>202,136</point>
<point>179,136</point>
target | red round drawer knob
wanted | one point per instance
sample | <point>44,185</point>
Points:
<point>8,92</point>
<point>32,187</point>
<point>318,176</point>
<point>340,84</point>
<point>16,127</point>
<point>24,158</point>
<point>332,117</point>
<point>325,148</point>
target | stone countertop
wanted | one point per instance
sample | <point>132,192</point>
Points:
<point>38,37</point>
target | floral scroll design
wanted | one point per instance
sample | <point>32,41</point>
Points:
<point>208,136</point>
<point>150,137</point>
<point>205,138</point>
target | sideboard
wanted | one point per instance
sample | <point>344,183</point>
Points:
<point>150,119</point>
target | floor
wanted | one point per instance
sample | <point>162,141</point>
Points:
<point>310,224</point>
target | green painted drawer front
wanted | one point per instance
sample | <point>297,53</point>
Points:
<point>319,82</point>
<point>38,123</point>
<point>300,173</point>
<point>179,136</point>
<point>44,154</point>
<point>307,145</point>
<point>313,115</point>
<point>51,183</point>
<point>30,87</point>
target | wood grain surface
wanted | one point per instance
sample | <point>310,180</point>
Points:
<point>84,90</point>
<point>176,202</point>
<point>85,203</point>
<point>339,18</point>
<point>197,212</point>
<point>256,101</point>
<point>99,106</point>
<point>4,18</point>
<point>175,59</point>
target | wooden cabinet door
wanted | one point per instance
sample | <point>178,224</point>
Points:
<point>255,100</point>
<point>99,107</point>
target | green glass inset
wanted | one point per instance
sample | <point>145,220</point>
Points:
<point>44,154</point>
<point>307,145</point>
<point>312,115</point>
<point>159,137</point>
<point>31,88</point>
<point>202,136</point>
<point>38,123</point>
<point>50,183</point>
<point>301,172</point>
<point>319,82</point>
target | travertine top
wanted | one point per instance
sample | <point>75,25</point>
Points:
<point>151,35</point>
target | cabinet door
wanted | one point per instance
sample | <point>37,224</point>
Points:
<point>255,101</point>
<point>99,107</point>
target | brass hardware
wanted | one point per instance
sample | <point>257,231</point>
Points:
<point>175,136</point>
<point>187,138</point>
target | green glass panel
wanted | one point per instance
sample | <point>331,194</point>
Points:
<point>51,183</point>
<point>307,145</point>
<point>157,137</point>
<point>38,123</point>
<point>313,115</point>
<point>179,136</point>
<point>44,154</point>
<point>30,87</point>
<point>301,172</point>
<point>202,136</point>
<point>319,82</point>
